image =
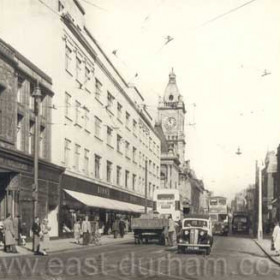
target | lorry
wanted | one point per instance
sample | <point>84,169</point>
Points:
<point>149,227</point>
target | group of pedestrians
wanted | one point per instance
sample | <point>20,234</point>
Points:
<point>41,238</point>
<point>10,234</point>
<point>118,227</point>
<point>88,231</point>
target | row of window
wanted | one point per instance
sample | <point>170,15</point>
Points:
<point>20,135</point>
<point>83,73</point>
<point>122,146</point>
<point>129,180</point>
<point>25,91</point>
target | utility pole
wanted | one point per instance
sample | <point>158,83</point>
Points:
<point>260,224</point>
<point>146,187</point>
<point>37,98</point>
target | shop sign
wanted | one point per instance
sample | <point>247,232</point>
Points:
<point>103,191</point>
<point>11,164</point>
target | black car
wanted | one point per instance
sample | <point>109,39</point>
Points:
<point>240,224</point>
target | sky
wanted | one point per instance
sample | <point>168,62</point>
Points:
<point>219,52</point>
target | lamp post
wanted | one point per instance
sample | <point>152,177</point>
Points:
<point>260,223</point>
<point>37,98</point>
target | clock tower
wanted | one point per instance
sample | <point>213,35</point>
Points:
<point>171,114</point>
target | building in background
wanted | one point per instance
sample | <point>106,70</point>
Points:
<point>100,132</point>
<point>269,181</point>
<point>276,194</point>
<point>175,170</point>
<point>18,80</point>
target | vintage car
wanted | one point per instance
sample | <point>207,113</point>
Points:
<point>196,234</point>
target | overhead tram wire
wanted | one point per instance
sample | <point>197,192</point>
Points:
<point>95,5</point>
<point>50,8</point>
<point>226,13</point>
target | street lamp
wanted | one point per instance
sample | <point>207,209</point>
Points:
<point>37,98</point>
<point>260,223</point>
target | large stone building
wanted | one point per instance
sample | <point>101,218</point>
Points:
<point>100,133</point>
<point>18,81</point>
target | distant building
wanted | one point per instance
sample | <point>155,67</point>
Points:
<point>276,196</point>
<point>269,181</point>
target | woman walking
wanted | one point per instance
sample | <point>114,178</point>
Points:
<point>276,238</point>
<point>45,237</point>
<point>9,232</point>
<point>77,231</point>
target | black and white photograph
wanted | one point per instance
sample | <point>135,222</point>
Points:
<point>139,139</point>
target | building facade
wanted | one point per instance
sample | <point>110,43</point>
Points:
<point>100,132</point>
<point>171,118</point>
<point>269,182</point>
<point>18,80</point>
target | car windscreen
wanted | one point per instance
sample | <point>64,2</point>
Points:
<point>240,219</point>
<point>195,223</point>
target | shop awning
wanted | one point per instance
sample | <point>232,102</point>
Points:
<point>105,203</point>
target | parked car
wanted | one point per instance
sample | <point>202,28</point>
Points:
<point>196,234</point>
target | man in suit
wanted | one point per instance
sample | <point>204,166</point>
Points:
<point>86,230</point>
<point>36,229</point>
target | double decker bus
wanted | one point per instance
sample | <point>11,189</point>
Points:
<point>167,202</point>
<point>218,211</point>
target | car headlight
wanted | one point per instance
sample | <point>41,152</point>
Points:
<point>181,240</point>
<point>202,233</point>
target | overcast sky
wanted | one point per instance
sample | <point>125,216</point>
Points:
<point>219,61</point>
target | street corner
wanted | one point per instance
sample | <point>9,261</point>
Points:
<point>264,245</point>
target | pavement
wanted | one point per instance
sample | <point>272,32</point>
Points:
<point>67,244</point>
<point>265,245</point>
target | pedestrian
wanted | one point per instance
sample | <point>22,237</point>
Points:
<point>178,230</point>
<point>45,237</point>
<point>16,228</point>
<point>86,230</point>
<point>165,239</point>
<point>171,230</point>
<point>9,232</point>
<point>77,231</point>
<point>1,233</point>
<point>116,228</point>
<point>36,229</point>
<point>122,227</point>
<point>276,238</point>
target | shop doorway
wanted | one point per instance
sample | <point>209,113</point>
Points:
<point>9,194</point>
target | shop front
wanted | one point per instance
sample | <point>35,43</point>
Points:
<point>16,188</point>
<point>80,198</point>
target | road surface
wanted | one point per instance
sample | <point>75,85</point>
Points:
<point>232,257</point>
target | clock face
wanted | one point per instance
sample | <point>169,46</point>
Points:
<point>170,122</point>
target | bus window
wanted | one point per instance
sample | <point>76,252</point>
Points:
<point>214,217</point>
<point>165,196</point>
<point>222,202</point>
<point>213,202</point>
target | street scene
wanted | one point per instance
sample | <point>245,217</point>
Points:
<point>139,139</point>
